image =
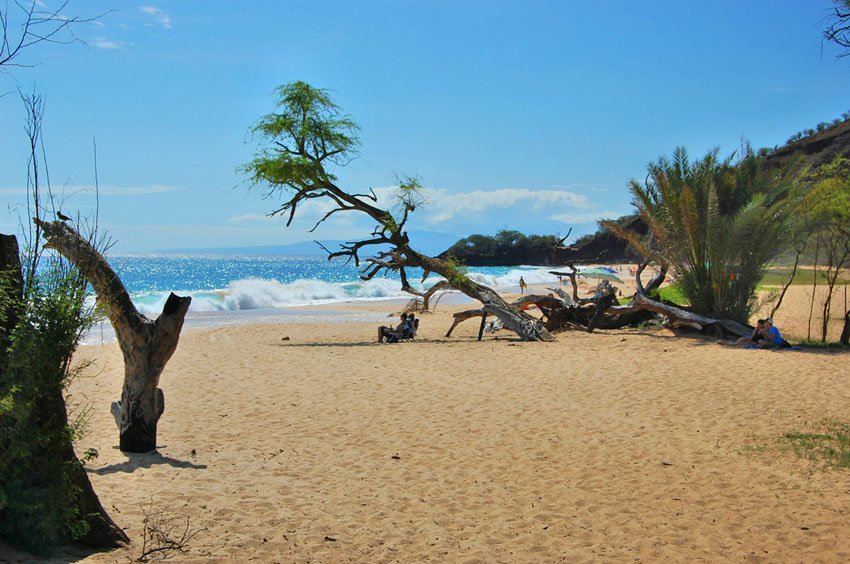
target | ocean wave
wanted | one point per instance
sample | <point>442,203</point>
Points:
<point>257,293</point>
<point>532,275</point>
<point>265,293</point>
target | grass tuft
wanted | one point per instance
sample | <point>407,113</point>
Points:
<point>831,445</point>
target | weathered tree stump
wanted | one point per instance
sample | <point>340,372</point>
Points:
<point>145,344</point>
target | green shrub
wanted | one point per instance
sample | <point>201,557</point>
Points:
<point>38,496</point>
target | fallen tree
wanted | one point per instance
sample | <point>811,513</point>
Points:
<point>561,313</point>
<point>308,135</point>
<point>146,344</point>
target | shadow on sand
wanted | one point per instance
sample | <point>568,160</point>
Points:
<point>145,460</point>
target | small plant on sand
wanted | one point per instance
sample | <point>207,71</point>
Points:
<point>831,445</point>
<point>165,534</point>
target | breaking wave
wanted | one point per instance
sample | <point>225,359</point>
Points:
<point>257,293</point>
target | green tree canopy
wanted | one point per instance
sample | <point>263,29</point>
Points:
<point>715,223</point>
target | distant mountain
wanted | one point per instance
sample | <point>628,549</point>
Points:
<point>428,242</point>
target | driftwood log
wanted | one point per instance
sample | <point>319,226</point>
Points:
<point>102,530</point>
<point>559,315</point>
<point>425,306</point>
<point>146,344</point>
<point>679,317</point>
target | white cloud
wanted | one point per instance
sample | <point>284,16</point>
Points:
<point>250,218</point>
<point>103,43</point>
<point>162,18</point>
<point>306,216</point>
<point>443,206</point>
<point>585,217</point>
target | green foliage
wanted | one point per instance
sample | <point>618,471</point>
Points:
<point>822,216</point>
<point>672,294</point>
<point>307,133</point>
<point>38,497</point>
<point>507,247</point>
<point>831,445</point>
<point>717,224</point>
<point>456,272</point>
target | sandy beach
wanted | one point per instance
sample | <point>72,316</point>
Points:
<point>313,443</point>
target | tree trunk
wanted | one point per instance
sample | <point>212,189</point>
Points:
<point>654,282</point>
<point>146,345</point>
<point>572,276</point>
<point>102,530</point>
<point>10,270</point>
<point>462,316</point>
<point>513,318</point>
<point>683,317</point>
<point>845,333</point>
<point>426,295</point>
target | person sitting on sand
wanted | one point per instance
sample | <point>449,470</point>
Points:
<point>390,334</point>
<point>754,337</point>
<point>771,335</point>
<point>410,326</point>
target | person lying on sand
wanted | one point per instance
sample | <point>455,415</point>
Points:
<point>390,334</point>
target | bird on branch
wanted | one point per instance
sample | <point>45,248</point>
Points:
<point>62,216</point>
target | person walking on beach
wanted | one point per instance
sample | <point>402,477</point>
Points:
<point>522,285</point>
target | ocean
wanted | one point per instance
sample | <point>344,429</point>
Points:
<point>232,289</point>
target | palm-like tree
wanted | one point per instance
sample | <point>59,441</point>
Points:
<point>716,224</point>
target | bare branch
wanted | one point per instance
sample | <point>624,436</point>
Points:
<point>36,27</point>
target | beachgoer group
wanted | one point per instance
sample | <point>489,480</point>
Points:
<point>406,329</point>
<point>765,335</point>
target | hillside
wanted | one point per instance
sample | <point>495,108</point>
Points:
<point>813,151</point>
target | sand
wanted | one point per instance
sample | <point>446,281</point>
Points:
<point>313,443</point>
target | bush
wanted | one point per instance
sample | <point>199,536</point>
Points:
<point>38,495</point>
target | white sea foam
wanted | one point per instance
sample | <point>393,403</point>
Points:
<point>532,275</point>
<point>256,293</point>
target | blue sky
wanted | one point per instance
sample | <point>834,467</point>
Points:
<point>528,115</point>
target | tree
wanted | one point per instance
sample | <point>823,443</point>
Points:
<point>46,497</point>
<point>716,224</point>
<point>302,142</point>
<point>504,249</point>
<point>822,212</point>
<point>838,30</point>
